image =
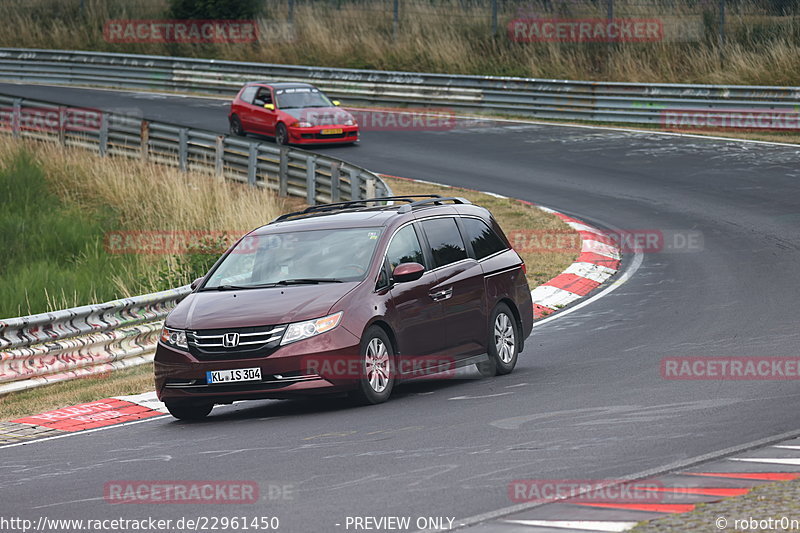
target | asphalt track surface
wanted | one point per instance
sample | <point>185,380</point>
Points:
<point>587,399</point>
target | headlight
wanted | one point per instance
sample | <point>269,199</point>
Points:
<point>310,328</point>
<point>174,337</point>
<point>303,125</point>
<point>349,122</point>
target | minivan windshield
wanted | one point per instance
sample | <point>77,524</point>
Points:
<point>298,257</point>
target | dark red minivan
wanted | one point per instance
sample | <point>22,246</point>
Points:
<point>349,297</point>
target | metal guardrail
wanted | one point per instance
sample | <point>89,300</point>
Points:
<point>288,171</point>
<point>82,342</point>
<point>637,103</point>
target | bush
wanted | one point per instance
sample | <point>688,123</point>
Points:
<point>214,9</point>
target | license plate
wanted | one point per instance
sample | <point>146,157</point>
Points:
<point>332,131</point>
<point>232,376</point>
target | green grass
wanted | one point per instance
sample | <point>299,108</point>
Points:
<point>51,251</point>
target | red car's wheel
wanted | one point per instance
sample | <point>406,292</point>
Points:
<point>281,134</point>
<point>236,127</point>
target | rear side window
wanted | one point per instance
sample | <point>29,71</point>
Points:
<point>484,240</point>
<point>405,248</point>
<point>445,241</point>
<point>249,93</point>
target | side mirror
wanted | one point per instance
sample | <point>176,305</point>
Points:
<point>196,283</point>
<point>336,102</point>
<point>405,272</point>
<point>271,107</point>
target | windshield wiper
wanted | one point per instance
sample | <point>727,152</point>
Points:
<point>237,287</point>
<point>307,281</point>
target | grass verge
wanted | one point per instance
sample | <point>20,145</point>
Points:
<point>133,380</point>
<point>60,208</point>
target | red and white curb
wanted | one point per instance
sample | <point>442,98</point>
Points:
<point>599,259</point>
<point>91,415</point>
<point>670,494</point>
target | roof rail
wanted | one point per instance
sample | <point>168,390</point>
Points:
<point>432,201</point>
<point>323,208</point>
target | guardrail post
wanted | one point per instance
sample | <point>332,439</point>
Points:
<point>355,185</point>
<point>16,116</point>
<point>62,120</point>
<point>102,144</point>
<point>283,173</point>
<point>311,180</point>
<point>370,187</point>
<point>183,149</point>
<point>145,139</point>
<point>252,164</point>
<point>334,182</point>
<point>219,157</point>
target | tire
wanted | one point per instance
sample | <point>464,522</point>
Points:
<point>503,343</point>
<point>189,411</point>
<point>236,127</point>
<point>281,134</point>
<point>377,380</point>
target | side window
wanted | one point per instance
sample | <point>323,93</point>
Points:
<point>249,93</point>
<point>484,240</point>
<point>264,96</point>
<point>445,240</point>
<point>405,248</point>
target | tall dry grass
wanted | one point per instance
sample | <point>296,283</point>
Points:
<point>455,36</point>
<point>118,194</point>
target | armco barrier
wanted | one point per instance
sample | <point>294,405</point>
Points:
<point>637,103</point>
<point>81,342</point>
<point>288,171</point>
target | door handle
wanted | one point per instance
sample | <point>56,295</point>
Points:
<point>443,294</point>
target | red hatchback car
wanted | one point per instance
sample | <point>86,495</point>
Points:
<point>292,113</point>
<point>348,297</point>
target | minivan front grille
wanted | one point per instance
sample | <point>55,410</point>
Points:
<point>240,343</point>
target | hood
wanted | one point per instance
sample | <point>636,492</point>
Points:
<point>256,307</point>
<point>321,116</point>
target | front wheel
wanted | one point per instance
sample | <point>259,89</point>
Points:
<point>376,379</point>
<point>189,411</point>
<point>281,135</point>
<point>236,127</point>
<point>503,345</point>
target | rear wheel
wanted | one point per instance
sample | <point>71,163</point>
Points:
<point>503,343</point>
<point>189,411</point>
<point>376,379</point>
<point>281,134</point>
<point>236,127</point>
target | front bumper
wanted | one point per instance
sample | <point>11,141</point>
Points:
<point>315,135</point>
<point>291,370</point>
